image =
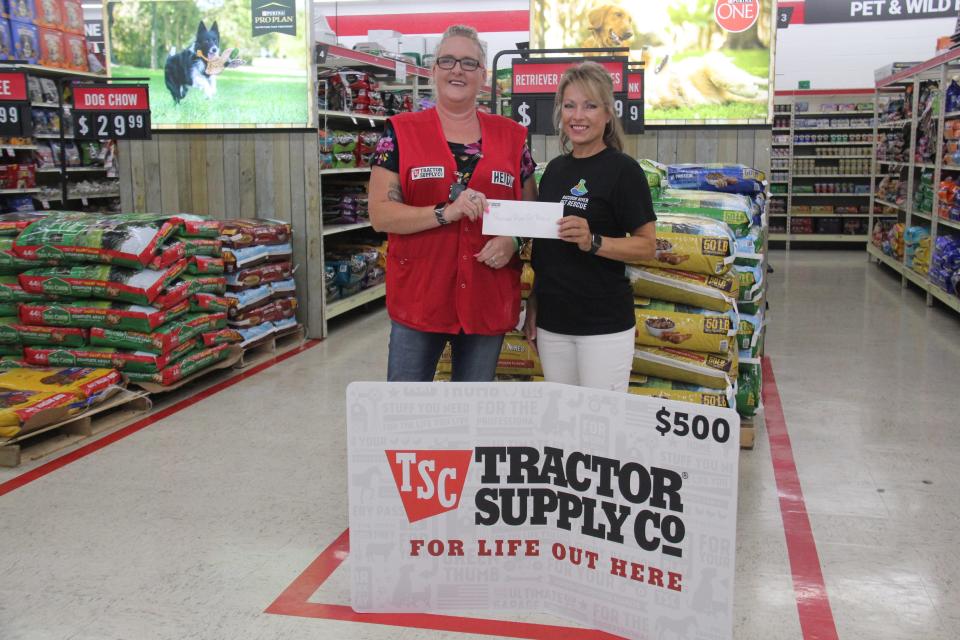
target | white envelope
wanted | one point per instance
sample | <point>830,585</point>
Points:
<point>522,219</point>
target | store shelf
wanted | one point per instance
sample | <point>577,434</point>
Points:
<point>86,169</point>
<point>51,136</point>
<point>893,124</point>
<point>19,147</point>
<point>45,105</point>
<point>923,216</point>
<point>832,175</point>
<point>778,237</point>
<point>352,117</point>
<point>950,167</point>
<point>923,165</point>
<point>343,228</point>
<point>817,237</point>
<point>950,300</point>
<point>780,144</point>
<point>798,214</point>
<point>50,71</point>
<point>781,129</point>
<point>914,277</point>
<point>888,204</point>
<point>814,157</point>
<point>892,162</point>
<point>339,307</point>
<point>834,144</point>
<point>833,128</point>
<point>953,224</point>
<point>951,114</point>
<point>830,195</point>
<point>845,114</point>
<point>327,172</point>
<point>8,192</point>
<point>890,261</point>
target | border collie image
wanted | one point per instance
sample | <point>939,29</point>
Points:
<point>188,68</point>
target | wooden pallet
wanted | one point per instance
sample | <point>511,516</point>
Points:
<point>271,346</point>
<point>113,412</point>
<point>749,428</point>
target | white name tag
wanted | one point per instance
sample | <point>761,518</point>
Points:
<point>422,173</point>
<point>502,178</point>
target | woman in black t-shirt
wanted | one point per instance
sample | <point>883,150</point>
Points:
<point>580,313</point>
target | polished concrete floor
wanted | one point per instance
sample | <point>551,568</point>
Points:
<point>191,527</point>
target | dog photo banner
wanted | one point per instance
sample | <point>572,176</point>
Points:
<point>617,512</point>
<point>706,61</point>
<point>215,63</point>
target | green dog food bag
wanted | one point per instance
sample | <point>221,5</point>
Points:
<point>99,313</point>
<point>11,290</point>
<point>693,243</point>
<point>139,286</point>
<point>11,349</point>
<point>190,225</point>
<point>749,386</point>
<point>57,336</point>
<point>717,293</point>
<point>107,357</point>
<point>751,282</point>
<point>215,284</point>
<point>201,265</point>
<point>736,211</point>
<point>750,333</point>
<point>187,366</point>
<point>11,224</point>
<point>168,256</point>
<point>211,247</point>
<point>8,331</point>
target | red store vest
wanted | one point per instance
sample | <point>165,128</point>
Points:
<point>434,282</point>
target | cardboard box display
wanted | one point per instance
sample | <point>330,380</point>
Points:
<point>26,41</point>
<point>49,13</point>
<point>52,48</point>
<point>76,52</point>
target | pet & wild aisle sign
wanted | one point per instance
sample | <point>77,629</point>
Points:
<point>612,510</point>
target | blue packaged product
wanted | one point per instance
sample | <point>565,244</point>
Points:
<point>26,41</point>
<point>727,178</point>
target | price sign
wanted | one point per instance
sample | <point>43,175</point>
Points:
<point>633,107</point>
<point>535,112</point>
<point>111,111</point>
<point>682,424</point>
<point>15,118</point>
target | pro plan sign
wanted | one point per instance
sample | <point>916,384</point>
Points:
<point>535,84</point>
<point>111,111</point>
<point>614,510</point>
<point>274,16</point>
<point>15,118</point>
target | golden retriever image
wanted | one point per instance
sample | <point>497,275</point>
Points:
<point>703,80</point>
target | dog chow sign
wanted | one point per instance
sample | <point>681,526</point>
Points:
<point>615,511</point>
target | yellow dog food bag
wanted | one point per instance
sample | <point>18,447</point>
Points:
<point>642,385</point>
<point>526,280</point>
<point>717,293</point>
<point>517,358</point>
<point>668,324</point>
<point>693,243</point>
<point>81,382</point>
<point>711,370</point>
<point>19,408</point>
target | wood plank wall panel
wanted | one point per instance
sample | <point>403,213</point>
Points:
<point>227,175</point>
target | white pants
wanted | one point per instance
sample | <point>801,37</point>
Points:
<point>598,362</point>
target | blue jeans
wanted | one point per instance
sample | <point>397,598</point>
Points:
<point>413,355</point>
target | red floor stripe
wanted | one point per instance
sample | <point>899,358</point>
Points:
<point>813,604</point>
<point>73,456</point>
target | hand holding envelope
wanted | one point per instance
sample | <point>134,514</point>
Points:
<point>520,218</point>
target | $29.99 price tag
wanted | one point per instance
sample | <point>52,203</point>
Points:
<point>683,424</point>
<point>111,111</point>
<point>97,126</point>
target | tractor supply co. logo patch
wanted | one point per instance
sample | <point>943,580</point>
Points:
<point>423,173</point>
<point>429,482</point>
<point>502,178</point>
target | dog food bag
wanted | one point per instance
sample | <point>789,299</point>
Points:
<point>17,408</point>
<point>168,256</point>
<point>712,370</point>
<point>245,257</point>
<point>247,232</point>
<point>284,252</point>
<point>256,276</point>
<point>668,324</point>
<point>82,382</point>
<point>717,293</point>
<point>8,330</point>
<point>271,312</point>
<point>751,282</point>
<point>9,309</point>
<point>204,265</point>
<point>185,367</point>
<point>11,263</point>
<point>526,280</point>
<point>13,362</point>
<point>100,281</point>
<point>250,298</point>
<point>284,288</point>
<point>214,284</point>
<point>173,295</point>
<point>12,291</point>
<point>126,240</point>
<point>693,243</point>
<point>749,386</point>
<point>256,333</point>
<point>57,336</point>
<point>98,313</point>
<point>194,226</point>
<point>203,247</point>
<point>11,349</point>
<point>518,357</point>
<point>642,385</point>
<point>727,178</point>
<point>751,247</point>
<point>11,224</point>
<point>221,336</point>
<point>107,357</point>
<point>210,303</point>
<point>165,338</point>
<point>656,174</point>
<point>749,332</point>
<point>735,210</point>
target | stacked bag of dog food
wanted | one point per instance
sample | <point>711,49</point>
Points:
<point>114,292</point>
<point>945,264</point>
<point>45,32</point>
<point>706,286</point>
<point>916,249</point>
<point>261,295</point>
<point>351,267</point>
<point>344,149</point>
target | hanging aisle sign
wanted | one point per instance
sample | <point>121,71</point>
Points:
<point>535,84</point>
<point>832,11</point>
<point>15,120</point>
<point>612,510</point>
<point>103,111</point>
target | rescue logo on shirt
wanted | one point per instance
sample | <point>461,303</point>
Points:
<point>422,173</point>
<point>502,178</point>
<point>576,199</point>
<point>580,189</point>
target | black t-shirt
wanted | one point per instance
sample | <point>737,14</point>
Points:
<point>578,293</point>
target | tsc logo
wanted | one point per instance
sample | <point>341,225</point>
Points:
<point>424,173</point>
<point>429,482</point>
<point>502,178</point>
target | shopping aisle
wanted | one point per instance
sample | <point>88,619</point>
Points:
<point>191,527</point>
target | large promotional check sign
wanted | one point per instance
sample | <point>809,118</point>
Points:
<point>613,510</point>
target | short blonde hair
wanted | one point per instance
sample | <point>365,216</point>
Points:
<point>463,31</point>
<point>596,82</point>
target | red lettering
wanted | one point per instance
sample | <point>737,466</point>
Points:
<point>618,567</point>
<point>674,581</point>
<point>655,577</point>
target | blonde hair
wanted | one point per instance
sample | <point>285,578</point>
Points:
<point>463,31</point>
<point>596,82</point>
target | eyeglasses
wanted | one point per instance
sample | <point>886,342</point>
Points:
<point>449,62</point>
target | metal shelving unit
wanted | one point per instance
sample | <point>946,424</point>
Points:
<point>939,70</point>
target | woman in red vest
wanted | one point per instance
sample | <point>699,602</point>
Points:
<point>433,172</point>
